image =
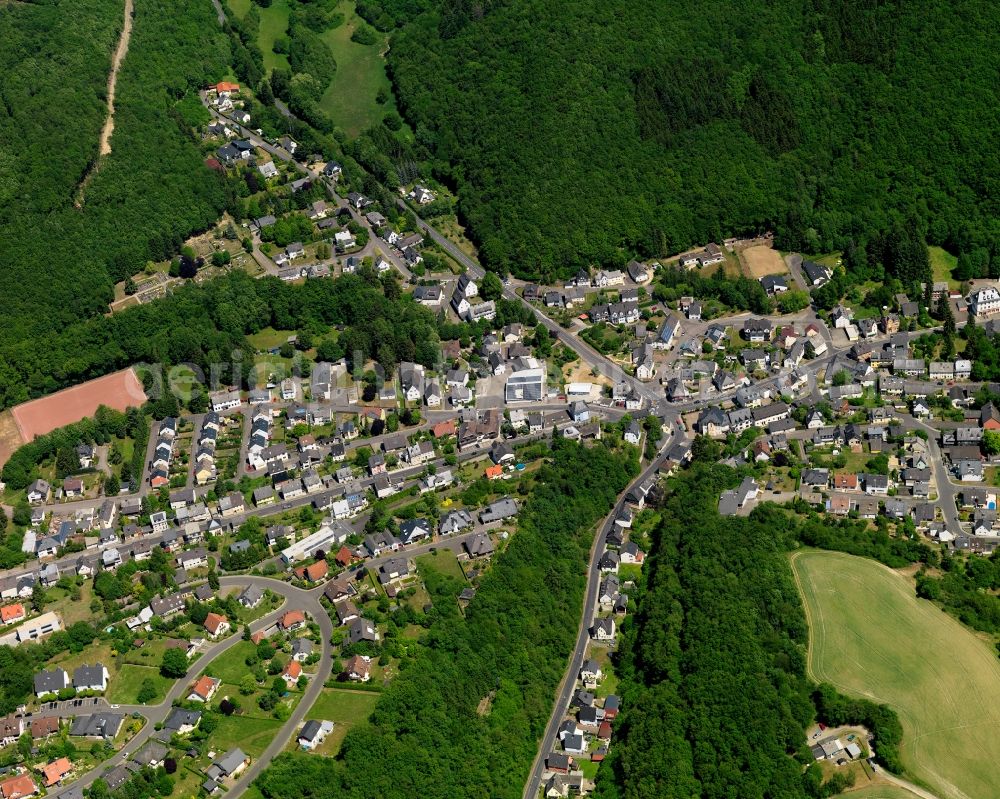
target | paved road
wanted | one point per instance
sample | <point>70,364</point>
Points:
<point>568,684</point>
<point>947,490</point>
<point>155,714</point>
<point>308,601</point>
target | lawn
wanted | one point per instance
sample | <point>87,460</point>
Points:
<point>881,792</point>
<point>349,100</point>
<point>124,687</point>
<point>346,709</point>
<point>273,25</point>
<point>71,610</point>
<point>231,665</point>
<point>269,338</point>
<point>96,653</point>
<point>239,7</point>
<point>250,734</point>
<point>443,561</point>
<point>870,636</point>
<point>942,264</point>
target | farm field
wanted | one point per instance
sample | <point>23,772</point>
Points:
<point>881,792</point>
<point>870,636</point>
<point>349,100</point>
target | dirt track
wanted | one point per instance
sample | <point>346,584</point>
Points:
<point>116,62</point>
<point>104,143</point>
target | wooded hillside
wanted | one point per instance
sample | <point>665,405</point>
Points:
<point>58,262</point>
<point>581,131</point>
<point>464,718</point>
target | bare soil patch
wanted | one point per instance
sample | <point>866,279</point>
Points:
<point>120,390</point>
<point>10,436</point>
<point>761,261</point>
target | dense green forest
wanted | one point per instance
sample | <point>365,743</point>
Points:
<point>59,262</point>
<point>206,325</point>
<point>712,663</point>
<point>579,132</point>
<point>464,718</point>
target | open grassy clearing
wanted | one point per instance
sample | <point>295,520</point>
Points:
<point>231,665</point>
<point>881,792</point>
<point>273,25</point>
<point>124,688</point>
<point>239,7</point>
<point>870,636</point>
<point>349,100</point>
<point>250,734</point>
<point>763,261</point>
<point>942,264</point>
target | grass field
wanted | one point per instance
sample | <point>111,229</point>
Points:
<point>231,665</point>
<point>870,636</point>
<point>763,261</point>
<point>942,264</point>
<point>273,25</point>
<point>881,792</point>
<point>239,7</point>
<point>349,100</point>
<point>443,561</point>
<point>250,734</point>
<point>346,709</point>
<point>124,687</point>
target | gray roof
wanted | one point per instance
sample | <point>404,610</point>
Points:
<point>499,510</point>
<point>179,718</point>
<point>84,676</point>
<point>310,730</point>
<point>230,761</point>
<point>152,752</point>
<point>301,646</point>
<point>97,725</point>
<point>50,682</point>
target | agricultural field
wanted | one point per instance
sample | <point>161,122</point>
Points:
<point>349,100</point>
<point>881,792</point>
<point>870,636</point>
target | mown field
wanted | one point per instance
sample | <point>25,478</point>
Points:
<point>870,636</point>
<point>881,792</point>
